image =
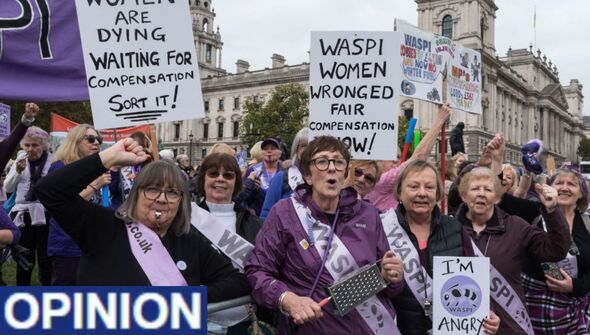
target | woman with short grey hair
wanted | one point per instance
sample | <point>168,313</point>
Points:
<point>149,240</point>
<point>31,164</point>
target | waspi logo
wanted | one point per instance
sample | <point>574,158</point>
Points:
<point>103,310</point>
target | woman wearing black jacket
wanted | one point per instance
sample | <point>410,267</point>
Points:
<point>220,181</point>
<point>157,210</point>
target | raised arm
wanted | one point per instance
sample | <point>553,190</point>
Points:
<point>425,147</point>
<point>10,143</point>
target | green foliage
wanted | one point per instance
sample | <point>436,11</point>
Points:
<point>78,111</point>
<point>282,116</point>
<point>584,149</point>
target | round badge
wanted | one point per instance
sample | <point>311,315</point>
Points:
<point>181,265</point>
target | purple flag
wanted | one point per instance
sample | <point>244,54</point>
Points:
<point>40,51</point>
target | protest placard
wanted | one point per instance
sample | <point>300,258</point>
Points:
<point>464,80</point>
<point>4,121</point>
<point>352,96</point>
<point>423,56</point>
<point>140,60</point>
<point>461,294</point>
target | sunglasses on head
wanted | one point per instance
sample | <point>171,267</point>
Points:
<point>91,139</point>
<point>368,177</point>
<point>227,175</point>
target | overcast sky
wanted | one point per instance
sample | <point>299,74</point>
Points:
<point>253,30</point>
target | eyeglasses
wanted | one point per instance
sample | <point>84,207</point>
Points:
<point>153,193</point>
<point>91,139</point>
<point>227,175</point>
<point>323,164</point>
<point>368,177</point>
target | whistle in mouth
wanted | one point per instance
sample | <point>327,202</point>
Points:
<point>158,215</point>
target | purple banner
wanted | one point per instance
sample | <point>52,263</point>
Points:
<point>4,121</point>
<point>40,51</point>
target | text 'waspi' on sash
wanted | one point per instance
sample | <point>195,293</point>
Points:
<point>341,262</point>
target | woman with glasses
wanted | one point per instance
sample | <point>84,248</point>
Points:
<point>558,294</point>
<point>220,180</point>
<point>150,240</point>
<point>291,264</point>
<point>28,213</point>
<point>82,141</point>
<point>362,176</point>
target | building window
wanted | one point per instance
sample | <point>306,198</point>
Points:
<point>447,26</point>
<point>203,153</point>
<point>255,98</point>
<point>482,29</point>
<point>176,131</point>
<point>175,151</point>
<point>205,24</point>
<point>208,53</point>
<point>221,104</point>
<point>236,103</point>
<point>206,106</point>
<point>236,129</point>
<point>205,130</point>
<point>220,129</point>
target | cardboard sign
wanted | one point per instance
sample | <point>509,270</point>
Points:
<point>140,60</point>
<point>464,80</point>
<point>4,121</point>
<point>352,96</point>
<point>423,58</point>
<point>461,295</point>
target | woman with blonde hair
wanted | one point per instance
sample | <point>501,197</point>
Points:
<point>82,141</point>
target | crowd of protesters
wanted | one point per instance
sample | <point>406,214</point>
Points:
<point>303,222</point>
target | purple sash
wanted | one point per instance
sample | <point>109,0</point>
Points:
<point>153,258</point>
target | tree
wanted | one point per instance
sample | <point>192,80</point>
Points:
<point>282,116</point>
<point>77,111</point>
<point>584,149</point>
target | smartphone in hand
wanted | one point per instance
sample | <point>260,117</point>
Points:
<point>552,270</point>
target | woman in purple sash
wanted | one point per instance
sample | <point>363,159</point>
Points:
<point>558,294</point>
<point>430,233</point>
<point>507,240</point>
<point>291,265</point>
<point>150,240</point>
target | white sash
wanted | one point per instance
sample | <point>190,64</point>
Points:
<point>231,245</point>
<point>264,180</point>
<point>234,246</point>
<point>341,262</point>
<point>153,257</point>
<point>570,263</point>
<point>505,296</point>
<point>415,276</point>
<point>295,177</point>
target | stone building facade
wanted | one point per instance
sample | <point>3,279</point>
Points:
<point>522,95</point>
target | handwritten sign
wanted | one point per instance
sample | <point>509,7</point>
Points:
<point>464,80</point>
<point>4,120</point>
<point>461,295</point>
<point>352,96</point>
<point>140,60</point>
<point>423,59</point>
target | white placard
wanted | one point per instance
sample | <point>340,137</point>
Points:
<point>352,96</point>
<point>424,56</point>
<point>464,80</point>
<point>461,295</point>
<point>141,63</point>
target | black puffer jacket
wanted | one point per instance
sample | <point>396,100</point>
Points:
<point>447,238</point>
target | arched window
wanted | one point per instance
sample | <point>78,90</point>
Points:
<point>447,26</point>
<point>205,25</point>
<point>482,28</point>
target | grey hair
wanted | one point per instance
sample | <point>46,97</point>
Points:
<point>160,173</point>
<point>302,134</point>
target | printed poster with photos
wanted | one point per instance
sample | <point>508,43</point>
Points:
<point>423,56</point>
<point>461,295</point>
<point>464,80</point>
